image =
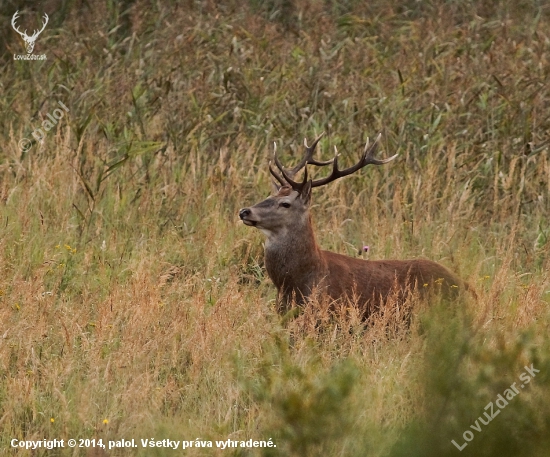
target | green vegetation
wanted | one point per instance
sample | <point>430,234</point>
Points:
<point>134,304</point>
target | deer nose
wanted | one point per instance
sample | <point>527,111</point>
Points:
<point>244,212</point>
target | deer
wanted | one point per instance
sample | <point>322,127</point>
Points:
<point>300,269</point>
<point>29,40</point>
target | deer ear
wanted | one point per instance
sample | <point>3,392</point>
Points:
<point>305,193</point>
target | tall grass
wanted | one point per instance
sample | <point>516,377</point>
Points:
<point>133,304</point>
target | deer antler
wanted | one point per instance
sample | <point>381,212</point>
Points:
<point>45,20</point>
<point>291,172</point>
<point>366,159</point>
<point>13,19</point>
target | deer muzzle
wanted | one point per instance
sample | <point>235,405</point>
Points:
<point>244,214</point>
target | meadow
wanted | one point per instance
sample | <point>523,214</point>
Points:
<point>135,305</point>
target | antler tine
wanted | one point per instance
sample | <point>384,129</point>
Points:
<point>311,149</point>
<point>45,20</point>
<point>368,153</point>
<point>295,185</point>
<point>38,32</point>
<point>308,158</point>
<point>16,28</point>
<point>273,173</point>
<point>366,159</point>
<point>276,176</point>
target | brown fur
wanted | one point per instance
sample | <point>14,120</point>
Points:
<point>298,270</point>
<point>298,267</point>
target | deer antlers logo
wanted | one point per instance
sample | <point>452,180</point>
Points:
<point>29,40</point>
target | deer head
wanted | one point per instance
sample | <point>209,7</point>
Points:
<point>29,40</point>
<point>288,209</point>
<point>289,206</point>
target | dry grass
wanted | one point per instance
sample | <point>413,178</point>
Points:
<point>134,305</point>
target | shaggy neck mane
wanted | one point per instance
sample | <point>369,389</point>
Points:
<point>291,259</point>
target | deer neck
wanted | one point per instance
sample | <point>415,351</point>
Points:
<point>293,258</point>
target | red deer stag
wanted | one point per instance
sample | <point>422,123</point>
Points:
<point>298,266</point>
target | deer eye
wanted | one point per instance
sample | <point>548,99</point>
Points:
<point>285,205</point>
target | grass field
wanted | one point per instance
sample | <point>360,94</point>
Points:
<point>135,305</point>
